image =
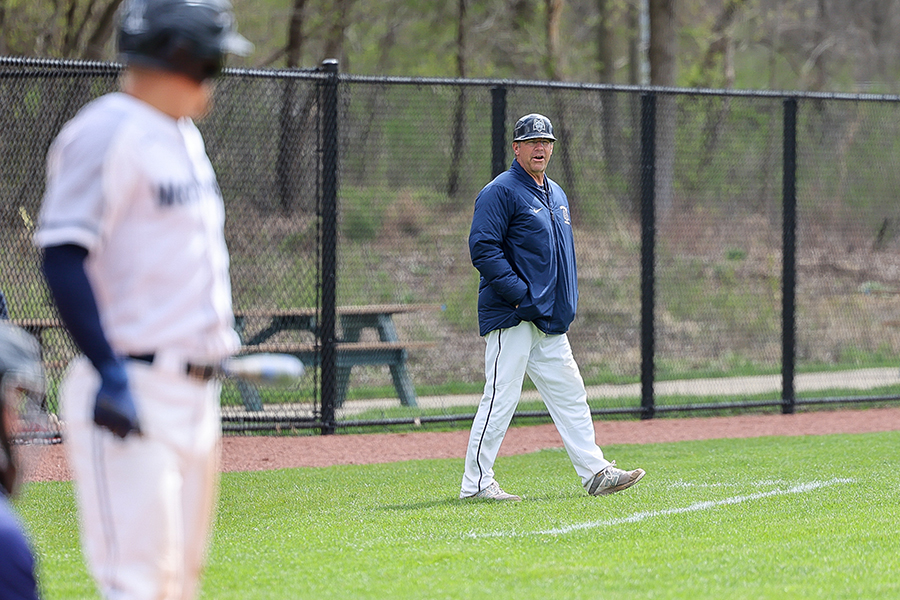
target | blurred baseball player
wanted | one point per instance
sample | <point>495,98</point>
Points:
<point>135,257</point>
<point>21,384</point>
<point>521,242</point>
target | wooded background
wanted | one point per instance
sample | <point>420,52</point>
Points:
<point>811,45</point>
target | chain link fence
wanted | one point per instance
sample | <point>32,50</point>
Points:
<point>713,275</point>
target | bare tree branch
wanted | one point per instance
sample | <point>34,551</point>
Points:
<point>79,33</point>
<point>272,58</point>
<point>102,32</point>
<point>720,45</point>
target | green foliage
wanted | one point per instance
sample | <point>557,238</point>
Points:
<point>361,222</point>
<point>409,137</point>
<point>720,144</point>
<point>462,303</point>
<point>753,518</point>
<point>509,40</point>
<point>694,291</point>
<point>370,212</point>
<point>49,511</point>
<point>395,246</point>
<point>402,234</point>
<point>847,148</point>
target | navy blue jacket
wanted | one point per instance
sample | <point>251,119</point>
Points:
<point>521,242</point>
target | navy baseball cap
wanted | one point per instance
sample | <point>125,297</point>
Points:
<point>533,126</point>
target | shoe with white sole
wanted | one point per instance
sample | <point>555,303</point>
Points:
<point>493,492</point>
<point>612,479</point>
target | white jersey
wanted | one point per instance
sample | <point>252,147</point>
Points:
<point>135,188</point>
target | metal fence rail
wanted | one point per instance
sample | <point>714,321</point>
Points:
<point>722,237</point>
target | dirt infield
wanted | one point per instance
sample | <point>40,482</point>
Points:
<point>267,453</point>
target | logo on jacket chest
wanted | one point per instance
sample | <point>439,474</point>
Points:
<point>563,210</point>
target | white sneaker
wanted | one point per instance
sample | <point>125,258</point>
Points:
<point>493,492</point>
<point>612,479</point>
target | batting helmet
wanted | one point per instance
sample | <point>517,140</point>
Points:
<point>190,37</point>
<point>21,391</point>
<point>533,126</point>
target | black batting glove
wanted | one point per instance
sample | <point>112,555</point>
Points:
<point>114,408</point>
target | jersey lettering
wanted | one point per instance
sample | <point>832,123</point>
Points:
<point>182,194</point>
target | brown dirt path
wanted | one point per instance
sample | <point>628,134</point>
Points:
<point>266,453</point>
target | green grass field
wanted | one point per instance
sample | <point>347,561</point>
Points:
<point>795,517</point>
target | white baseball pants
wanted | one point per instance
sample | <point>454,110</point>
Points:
<point>509,355</point>
<point>145,503</point>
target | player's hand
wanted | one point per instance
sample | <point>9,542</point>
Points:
<point>114,408</point>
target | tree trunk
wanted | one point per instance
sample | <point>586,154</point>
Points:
<point>458,141</point>
<point>881,35</point>
<point>720,48</point>
<point>662,73</point>
<point>634,44</point>
<point>4,47</point>
<point>294,49</point>
<point>822,42</point>
<point>552,58</point>
<point>103,31</point>
<point>770,188</point>
<point>633,17</point>
<point>522,12</point>
<point>554,11</point>
<point>606,46</point>
<point>334,44</point>
<point>614,147</point>
<point>286,163</point>
<point>82,26</point>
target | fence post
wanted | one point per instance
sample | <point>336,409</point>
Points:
<point>327,327</point>
<point>648,251</point>
<point>498,130</point>
<point>788,261</point>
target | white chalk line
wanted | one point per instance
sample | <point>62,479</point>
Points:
<point>722,484</point>
<point>644,515</point>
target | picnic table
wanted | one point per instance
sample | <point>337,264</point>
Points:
<point>388,350</point>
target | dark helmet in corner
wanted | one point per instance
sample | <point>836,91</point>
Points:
<point>191,37</point>
<point>21,392</point>
<point>533,126</point>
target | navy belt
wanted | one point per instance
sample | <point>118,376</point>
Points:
<point>201,372</point>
